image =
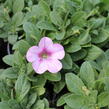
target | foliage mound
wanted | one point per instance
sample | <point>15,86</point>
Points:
<point>82,27</point>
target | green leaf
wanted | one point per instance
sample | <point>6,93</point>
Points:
<point>87,6</point>
<point>22,46</point>
<point>13,104</point>
<point>60,35</point>
<point>84,38</point>
<point>40,105</point>
<point>18,59</point>
<point>95,2</point>
<point>22,87</point>
<point>106,82</point>
<point>87,74</point>
<point>46,102</point>
<point>95,65</point>
<point>97,22</point>
<point>1,70</point>
<point>8,73</point>
<point>60,5</point>
<point>9,59</point>
<point>105,1</point>
<point>61,100</point>
<point>79,55</point>
<point>103,99</point>
<point>73,48</point>
<point>46,25</point>
<point>52,77</point>
<point>39,11</point>
<point>40,80</point>
<point>17,19</point>
<point>29,68</point>
<point>24,102</point>
<point>32,99</point>
<point>67,107</point>
<point>67,62</point>
<point>75,101</point>
<point>101,37</point>
<point>78,18</point>
<point>1,24</point>
<point>4,91</point>
<point>88,107</point>
<point>29,27</point>
<point>90,100</point>
<point>44,7</point>
<point>74,83</point>
<point>40,90</point>
<point>93,53</point>
<point>58,86</point>
<point>107,54</point>
<point>105,66</point>
<point>101,59</point>
<point>56,18</point>
<point>18,5</point>
<point>4,105</point>
<point>75,68</point>
<point>32,33</point>
<point>9,3</point>
<point>12,39</point>
<point>3,35</point>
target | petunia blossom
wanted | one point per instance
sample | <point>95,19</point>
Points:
<point>46,56</point>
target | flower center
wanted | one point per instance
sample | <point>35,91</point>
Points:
<point>44,55</point>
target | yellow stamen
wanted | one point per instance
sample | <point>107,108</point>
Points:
<point>44,55</point>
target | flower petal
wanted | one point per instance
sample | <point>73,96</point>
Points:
<point>58,51</point>
<point>54,66</point>
<point>32,54</point>
<point>45,42</point>
<point>39,66</point>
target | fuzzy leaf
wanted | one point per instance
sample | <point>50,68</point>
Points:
<point>74,83</point>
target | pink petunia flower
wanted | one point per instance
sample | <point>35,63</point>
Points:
<point>46,56</point>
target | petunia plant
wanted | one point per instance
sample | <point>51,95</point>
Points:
<point>54,54</point>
